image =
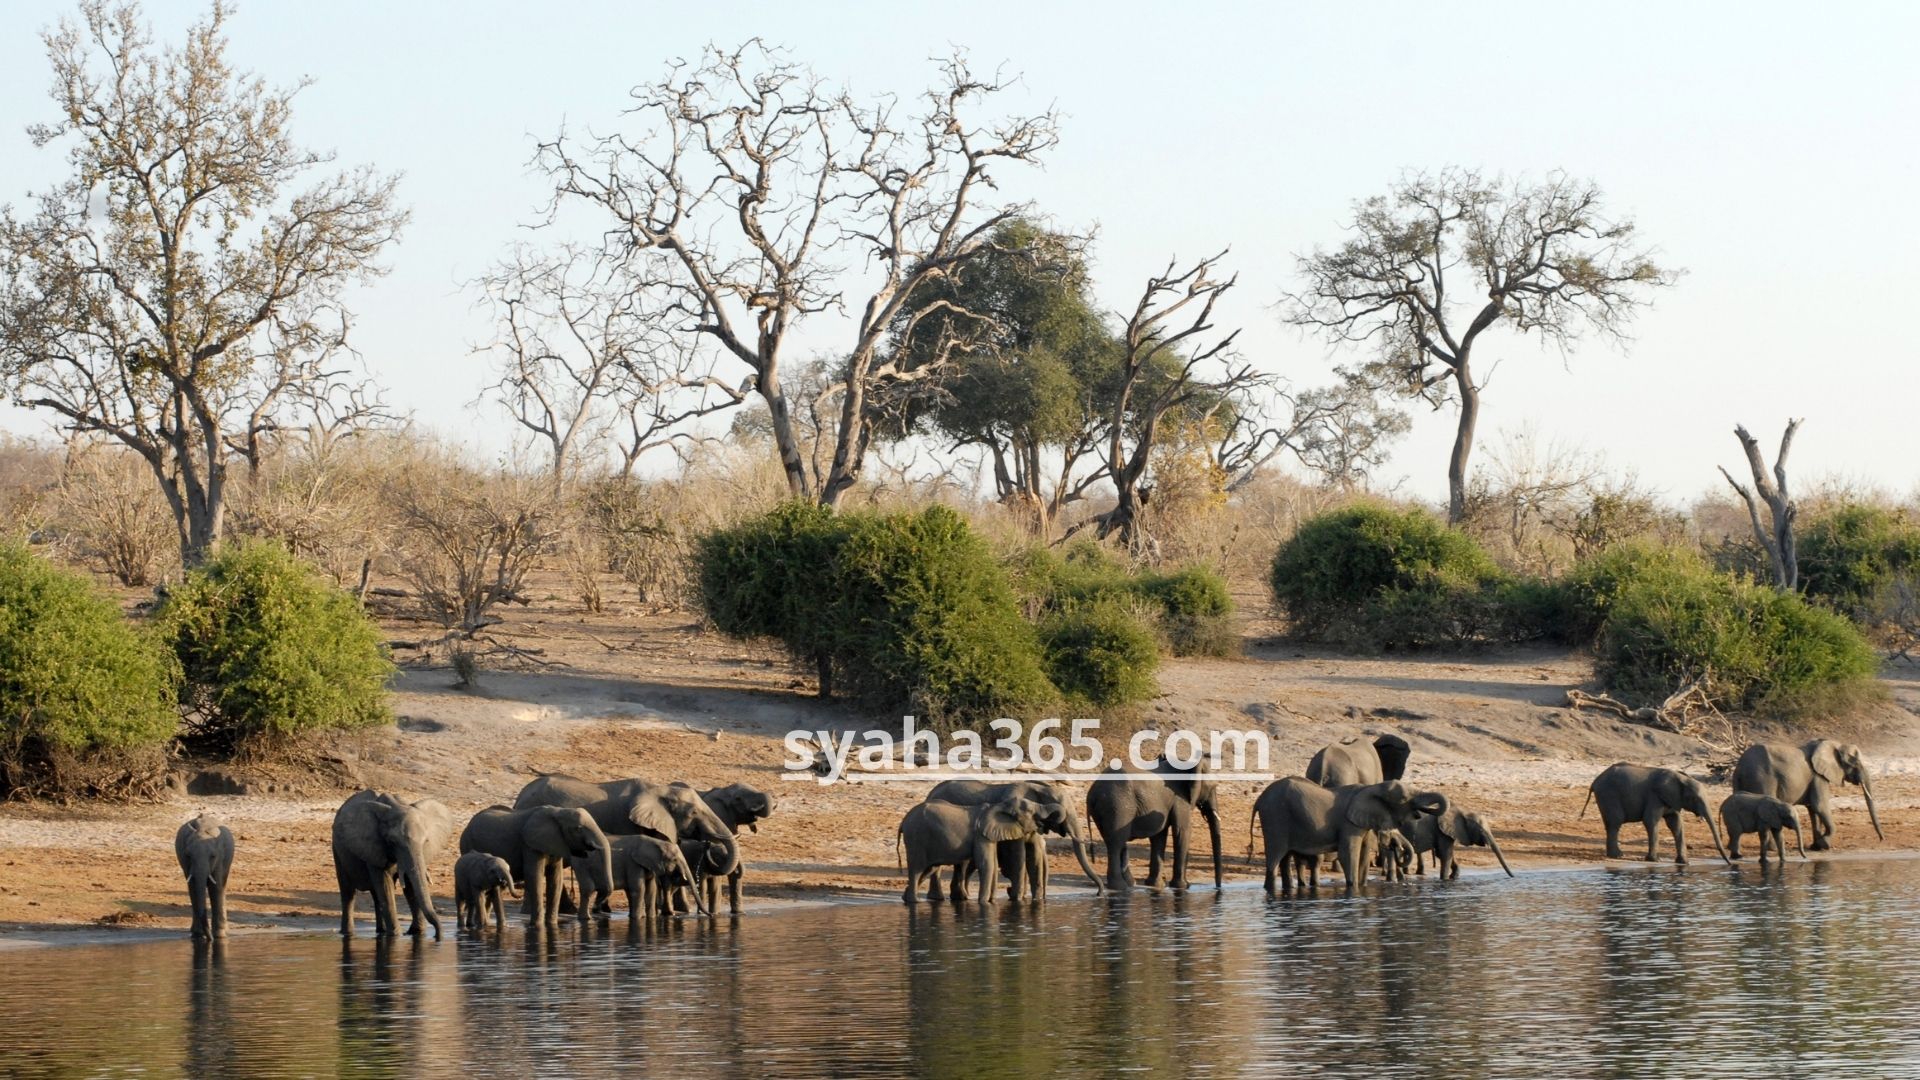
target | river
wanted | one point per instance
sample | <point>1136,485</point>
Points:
<point>1619,971</point>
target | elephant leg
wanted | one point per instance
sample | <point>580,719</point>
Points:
<point>1156,854</point>
<point>1016,870</point>
<point>218,889</point>
<point>915,874</point>
<point>957,884</point>
<point>1612,824</point>
<point>1653,834</point>
<point>1678,829</point>
<point>1273,866</point>
<point>1180,854</point>
<point>1733,842</point>
<point>386,922</point>
<point>986,859</point>
<point>346,902</point>
<point>535,897</point>
<point>1116,842</point>
<point>1353,860</point>
<point>1820,812</point>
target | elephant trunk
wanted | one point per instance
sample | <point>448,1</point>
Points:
<point>1866,789</point>
<point>416,878</point>
<point>1713,829</point>
<point>1495,845</point>
<point>693,883</point>
<point>1086,864</point>
<point>1799,845</point>
<point>1213,834</point>
<point>726,842</point>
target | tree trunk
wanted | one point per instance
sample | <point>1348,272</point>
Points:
<point>781,421</point>
<point>1462,445</point>
<point>1777,541</point>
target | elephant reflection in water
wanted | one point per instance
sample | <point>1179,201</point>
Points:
<point>209,1012</point>
<point>379,999</point>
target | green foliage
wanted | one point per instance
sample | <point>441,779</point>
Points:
<point>906,610</point>
<point>1100,653</point>
<point>1374,577</point>
<point>75,677</point>
<point>1592,589</point>
<point>1852,553</point>
<point>1190,607</point>
<point>1750,646</point>
<point>268,646</point>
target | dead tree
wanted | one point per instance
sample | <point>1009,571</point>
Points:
<point>1162,367</point>
<point>751,196</point>
<point>1776,536</point>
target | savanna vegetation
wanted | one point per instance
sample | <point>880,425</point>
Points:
<point>991,493</point>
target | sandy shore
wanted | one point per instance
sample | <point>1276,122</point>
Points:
<point>656,697</point>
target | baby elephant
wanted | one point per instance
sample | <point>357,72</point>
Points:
<point>204,847</point>
<point>649,870</point>
<point>480,881</point>
<point>1746,812</point>
<point>1396,854</point>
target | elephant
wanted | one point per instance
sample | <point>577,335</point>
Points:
<point>537,843</point>
<point>378,838</point>
<point>738,807</point>
<point>673,812</point>
<point>480,881</point>
<point>936,834</point>
<point>1354,760</point>
<point>1744,812</point>
<point>969,792</point>
<point>647,869</point>
<point>1396,854</point>
<point>1147,806</point>
<point>1806,776</point>
<point>1305,820</point>
<point>1626,793</point>
<point>204,847</point>
<point>1441,833</point>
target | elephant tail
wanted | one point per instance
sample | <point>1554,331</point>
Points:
<point>897,848</point>
<point>1253,819</point>
<point>1588,802</point>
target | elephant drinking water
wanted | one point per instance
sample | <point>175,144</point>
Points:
<point>1806,775</point>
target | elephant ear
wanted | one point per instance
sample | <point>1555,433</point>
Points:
<point>1002,821</point>
<point>1393,751</point>
<point>1367,810</point>
<point>1825,764</point>
<point>387,818</point>
<point>1453,825</point>
<point>541,831</point>
<point>652,817</point>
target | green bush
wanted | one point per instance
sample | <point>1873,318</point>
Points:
<point>1850,554</point>
<point>1190,607</point>
<point>1371,577</point>
<point>1592,588</point>
<point>1671,623</point>
<point>906,611</point>
<point>75,677</point>
<point>1101,654</point>
<point>268,646</point>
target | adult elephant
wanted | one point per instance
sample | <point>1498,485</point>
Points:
<point>1303,820</point>
<point>936,834</point>
<point>1017,864</point>
<point>1626,793</point>
<point>738,806</point>
<point>1441,833</point>
<point>379,838</point>
<point>1359,760</point>
<point>1147,806</point>
<point>1806,775</point>
<point>673,812</point>
<point>537,843</point>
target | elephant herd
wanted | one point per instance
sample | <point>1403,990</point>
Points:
<point>661,844</point>
<point>668,846</point>
<point>1353,805</point>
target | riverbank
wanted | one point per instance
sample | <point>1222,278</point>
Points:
<point>657,697</point>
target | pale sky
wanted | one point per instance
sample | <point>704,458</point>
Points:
<point>1769,149</point>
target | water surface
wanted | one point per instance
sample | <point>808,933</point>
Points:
<point>1629,971</point>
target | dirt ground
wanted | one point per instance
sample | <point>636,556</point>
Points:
<point>624,694</point>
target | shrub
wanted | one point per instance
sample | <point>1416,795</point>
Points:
<point>268,646</point>
<point>1101,654</point>
<point>1751,647</point>
<point>904,610</point>
<point>109,511</point>
<point>1591,591</point>
<point>75,678</point>
<point>1189,607</point>
<point>1368,576</point>
<point>1850,554</point>
<point>467,541</point>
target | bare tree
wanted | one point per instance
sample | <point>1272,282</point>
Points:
<point>1776,537</point>
<point>750,181</point>
<point>1339,431</point>
<point>1165,361</point>
<point>171,293</point>
<point>582,362</point>
<point>1441,259</point>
